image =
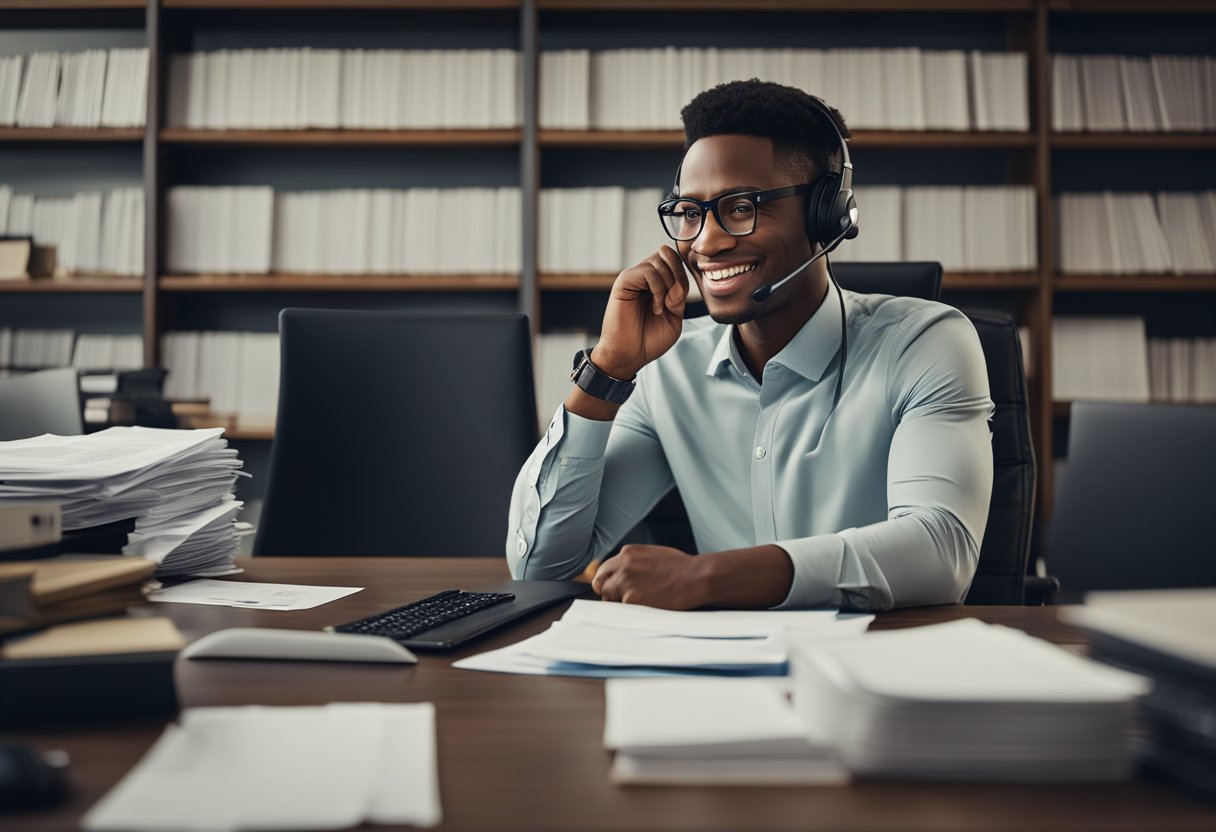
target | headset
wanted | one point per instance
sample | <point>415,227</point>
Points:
<point>831,218</point>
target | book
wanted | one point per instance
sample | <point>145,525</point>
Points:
<point>66,590</point>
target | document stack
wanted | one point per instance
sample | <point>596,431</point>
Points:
<point>968,701</point>
<point>176,485</point>
<point>1167,635</point>
<point>602,640</point>
<point>37,593</point>
<point>330,767</point>
<point>712,731</point>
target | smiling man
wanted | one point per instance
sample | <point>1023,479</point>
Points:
<point>817,469</point>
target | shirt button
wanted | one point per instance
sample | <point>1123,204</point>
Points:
<point>759,452</point>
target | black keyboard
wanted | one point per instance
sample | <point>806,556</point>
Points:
<point>428,613</point>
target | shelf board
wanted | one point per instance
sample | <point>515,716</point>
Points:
<point>984,282</point>
<point>342,138</point>
<point>83,283</point>
<point>72,135</point>
<point>1134,141</point>
<point>339,5</point>
<point>1134,282</point>
<point>791,5</point>
<point>1130,5</point>
<point>339,283</point>
<point>250,434</point>
<point>83,5</point>
<point>896,139</point>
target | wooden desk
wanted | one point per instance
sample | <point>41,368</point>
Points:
<point>526,753</point>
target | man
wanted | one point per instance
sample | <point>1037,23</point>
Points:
<point>805,485</point>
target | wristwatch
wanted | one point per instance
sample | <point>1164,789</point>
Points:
<point>595,382</point>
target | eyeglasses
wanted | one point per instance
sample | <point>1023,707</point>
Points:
<point>683,218</point>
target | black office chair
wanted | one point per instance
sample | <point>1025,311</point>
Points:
<point>1005,550</point>
<point>398,433</point>
<point>1133,507</point>
<point>47,401</point>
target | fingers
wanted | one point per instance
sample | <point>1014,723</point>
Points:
<point>677,294</point>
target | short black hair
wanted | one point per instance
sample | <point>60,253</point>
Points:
<point>803,141</point>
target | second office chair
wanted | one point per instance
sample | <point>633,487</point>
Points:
<point>398,433</point>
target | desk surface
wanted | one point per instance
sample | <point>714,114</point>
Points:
<point>526,753</point>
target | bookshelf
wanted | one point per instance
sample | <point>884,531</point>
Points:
<point>1047,160</point>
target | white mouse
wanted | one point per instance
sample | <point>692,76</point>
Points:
<point>297,645</point>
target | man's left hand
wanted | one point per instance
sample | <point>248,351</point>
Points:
<point>657,576</point>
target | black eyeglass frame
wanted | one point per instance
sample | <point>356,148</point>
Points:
<point>757,198</point>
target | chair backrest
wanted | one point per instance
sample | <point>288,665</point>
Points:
<point>47,401</point>
<point>1000,576</point>
<point>398,433</point>
<point>909,280</point>
<point>1134,504</point>
<point>1005,551</point>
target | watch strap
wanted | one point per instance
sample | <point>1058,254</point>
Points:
<point>595,382</point>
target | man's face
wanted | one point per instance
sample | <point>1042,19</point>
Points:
<point>729,269</point>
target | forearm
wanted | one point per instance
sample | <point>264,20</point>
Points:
<point>758,577</point>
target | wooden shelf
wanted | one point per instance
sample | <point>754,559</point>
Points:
<point>983,282</point>
<point>341,138</point>
<point>83,5</point>
<point>250,434</point>
<point>1130,5</point>
<point>894,139</point>
<point>84,283</point>
<point>791,5</point>
<point>1134,141</point>
<point>1134,282</point>
<point>339,283</point>
<point>72,135</point>
<point>341,5</point>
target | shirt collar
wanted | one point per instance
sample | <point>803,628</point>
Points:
<point>809,352</point>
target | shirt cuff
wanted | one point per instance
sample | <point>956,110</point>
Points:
<point>584,438</point>
<point>817,563</point>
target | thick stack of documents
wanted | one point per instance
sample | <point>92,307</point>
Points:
<point>601,639</point>
<point>177,485</point>
<point>968,701</point>
<point>329,767</point>
<point>1165,634</point>
<point>712,731</point>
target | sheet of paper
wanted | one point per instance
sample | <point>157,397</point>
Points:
<point>619,647</point>
<point>697,623</point>
<point>249,768</point>
<point>252,595</point>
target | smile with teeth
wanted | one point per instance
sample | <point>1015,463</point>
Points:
<point>723,274</point>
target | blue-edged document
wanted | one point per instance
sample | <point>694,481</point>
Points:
<point>601,639</point>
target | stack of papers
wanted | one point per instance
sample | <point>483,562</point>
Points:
<point>177,485</point>
<point>601,639</point>
<point>1165,634</point>
<point>968,701</point>
<point>328,767</point>
<point>713,731</point>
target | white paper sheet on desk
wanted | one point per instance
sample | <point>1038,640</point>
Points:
<point>621,647</point>
<point>524,657</point>
<point>696,623</point>
<point>260,768</point>
<point>251,595</point>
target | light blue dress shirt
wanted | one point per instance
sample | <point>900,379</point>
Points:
<point>881,503</point>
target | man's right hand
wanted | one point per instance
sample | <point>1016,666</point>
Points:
<point>645,314</point>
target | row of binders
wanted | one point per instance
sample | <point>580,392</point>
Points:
<point>36,349</point>
<point>92,232</point>
<point>598,229</point>
<point>176,485</point>
<point>296,89</point>
<point>970,228</point>
<point>1127,93</point>
<point>957,701</point>
<point>1112,359</point>
<point>94,88</point>
<point>236,372</point>
<point>875,89</point>
<point>253,230</point>
<point>1137,233</point>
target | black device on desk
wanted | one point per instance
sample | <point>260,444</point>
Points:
<point>452,617</point>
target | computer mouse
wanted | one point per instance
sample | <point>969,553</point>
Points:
<point>297,645</point>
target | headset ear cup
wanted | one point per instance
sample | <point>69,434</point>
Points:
<point>845,215</point>
<point>819,207</point>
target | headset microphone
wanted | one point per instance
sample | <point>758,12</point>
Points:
<point>765,292</point>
